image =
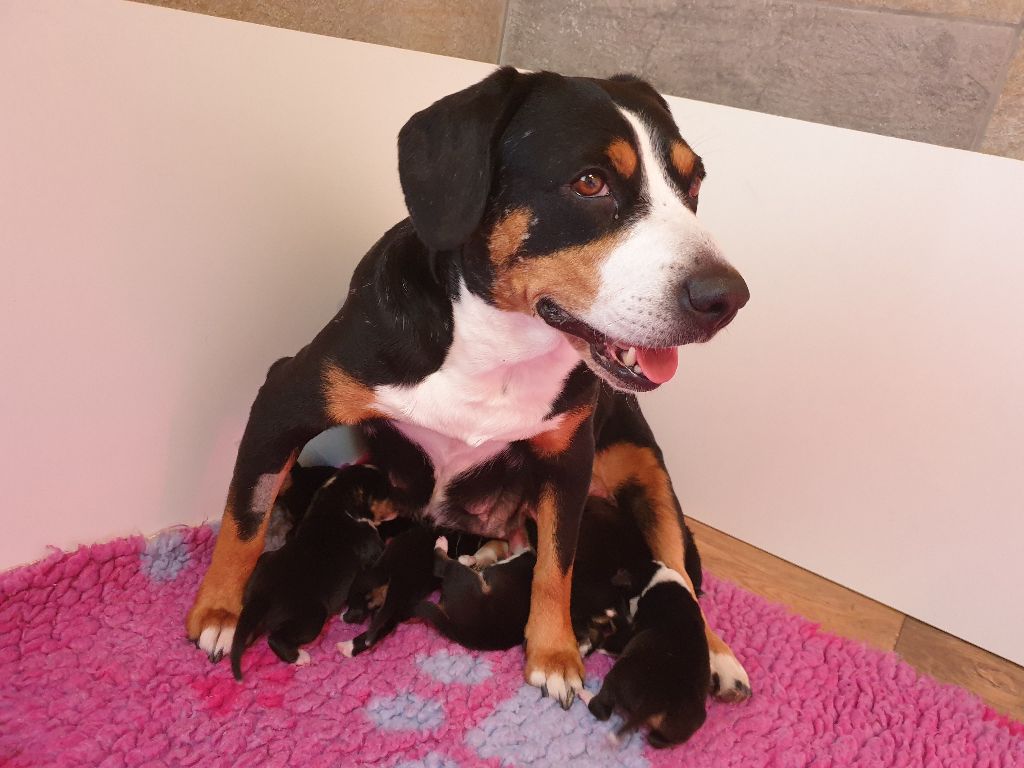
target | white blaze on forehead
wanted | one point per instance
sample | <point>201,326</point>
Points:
<point>637,297</point>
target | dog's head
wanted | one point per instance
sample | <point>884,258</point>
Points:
<point>574,200</point>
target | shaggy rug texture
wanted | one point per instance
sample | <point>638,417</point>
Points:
<point>95,670</point>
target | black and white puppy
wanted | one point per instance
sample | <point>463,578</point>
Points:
<point>663,677</point>
<point>293,590</point>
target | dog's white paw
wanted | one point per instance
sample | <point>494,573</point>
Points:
<point>729,681</point>
<point>345,647</point>
<point>303,658</point>
<point>468,560</point>
<point>215,641</point>
<point>560,685</point>
<point>441,544</point>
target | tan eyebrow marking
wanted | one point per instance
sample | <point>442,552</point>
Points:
<point>623,157</point>
<point>683,158</point>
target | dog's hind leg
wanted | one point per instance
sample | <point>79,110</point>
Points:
<point>301,397</point>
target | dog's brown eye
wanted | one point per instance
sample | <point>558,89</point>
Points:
<point>590,185</point>
<point>695,187</point>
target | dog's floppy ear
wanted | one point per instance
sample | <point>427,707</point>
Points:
<point>446,158</point>
<point>642,86</point>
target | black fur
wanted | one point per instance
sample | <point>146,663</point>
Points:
<point>664,673</point>
<point>293,590</point>
<point>496,146</point>
<point>296,498</point>
<point>487,609</point>
<point>406,570</point>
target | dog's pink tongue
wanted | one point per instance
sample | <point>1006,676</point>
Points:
<point>658,365</point>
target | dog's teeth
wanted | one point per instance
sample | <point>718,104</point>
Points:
<point>629,357</point>
<point>638,369</point>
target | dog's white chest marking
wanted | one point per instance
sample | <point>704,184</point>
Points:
<point>496,385</point>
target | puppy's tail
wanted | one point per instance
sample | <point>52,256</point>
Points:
<point>251,623</point>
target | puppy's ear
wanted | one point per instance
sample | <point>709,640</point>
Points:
<point>446,157</point>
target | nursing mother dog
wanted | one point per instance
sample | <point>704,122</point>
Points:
<point>491,344</point>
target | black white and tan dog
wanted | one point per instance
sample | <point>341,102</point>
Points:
<point>295,589</point>
<point>491,345</point>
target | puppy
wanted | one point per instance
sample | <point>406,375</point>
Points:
<point>611,558</point>
<point>663,676</point>
<point>293,590</point>
<point>298,493</point>
<point>485,609</point>
<point>397,582</point>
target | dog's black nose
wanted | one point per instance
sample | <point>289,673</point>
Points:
<point>714,296</point>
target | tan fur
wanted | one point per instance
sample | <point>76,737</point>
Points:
<point>347,401</point>
<point>550,642</point>
<point>377,597</point>
<point>623,157</point>
<point>508,236</point>
<point>626,462</point>
<point>683,158</point>
<point>383,510</point>
<point>219,600</point>
<point>570,276</point>
<point>555,441</point>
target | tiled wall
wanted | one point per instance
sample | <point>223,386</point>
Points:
<point>943,71</point>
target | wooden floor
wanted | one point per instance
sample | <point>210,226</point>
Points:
<point>844,612</point>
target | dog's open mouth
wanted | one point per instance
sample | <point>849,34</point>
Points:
<point>635,368</point>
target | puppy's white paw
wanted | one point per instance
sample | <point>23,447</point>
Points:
<point>346,648</point>
<point>729,681</point>
<point>468,560</point>
<point>441,544</point>
<point>303,658</point>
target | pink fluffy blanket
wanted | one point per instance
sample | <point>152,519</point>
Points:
<point>95,670</point>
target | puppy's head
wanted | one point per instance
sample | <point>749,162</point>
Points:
<point>574,200</point>
<point>359,489</point>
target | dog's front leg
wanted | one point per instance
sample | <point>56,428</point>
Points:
<point>301,397</point>
<point>553,661</point>
<point>660,519</point>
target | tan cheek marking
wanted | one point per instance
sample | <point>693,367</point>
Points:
<point>555,441</point>
<point>347,401</point>
<point>508,236</point>
<point>571,276</point>
<point>683,158</point>
<point>383,510</point>
<point>623,157</point>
